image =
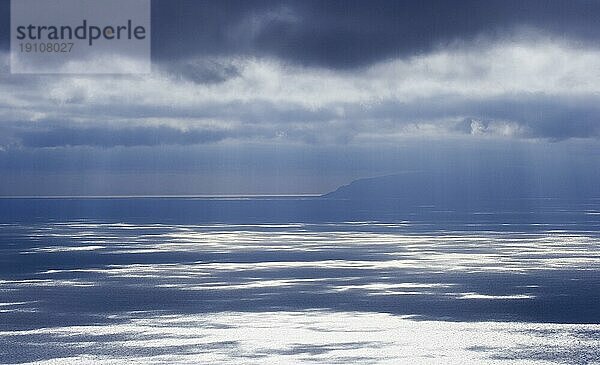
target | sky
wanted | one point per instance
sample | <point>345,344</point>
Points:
<point>287,97</point>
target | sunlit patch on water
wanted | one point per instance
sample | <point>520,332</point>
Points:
<point>349,292</point>
<point>320,337</point>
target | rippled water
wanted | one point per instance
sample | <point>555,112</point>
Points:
<point>81,285</point>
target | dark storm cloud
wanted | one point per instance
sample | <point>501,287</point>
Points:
<point>346,33</point>
<point>4,24</point>
<point>350,33</point>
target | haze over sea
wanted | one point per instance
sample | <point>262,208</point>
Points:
<point>287,280</point>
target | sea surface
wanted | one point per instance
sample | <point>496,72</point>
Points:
<point>297,280</point>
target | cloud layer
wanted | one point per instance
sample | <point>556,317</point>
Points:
<point>347,34</point>
<point>538,88</point>
<point>252,96</point>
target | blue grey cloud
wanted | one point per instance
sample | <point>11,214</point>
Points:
<point>342,34</point>
<point>110,137</point>
<point>350,33</point>
<point>520,116</point>
<point>329,90</point>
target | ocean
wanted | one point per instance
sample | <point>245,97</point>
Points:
<point>296,280</point>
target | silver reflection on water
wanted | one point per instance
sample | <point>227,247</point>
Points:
<point>364,292</point>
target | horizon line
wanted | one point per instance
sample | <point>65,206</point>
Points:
<point>175,196</point>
